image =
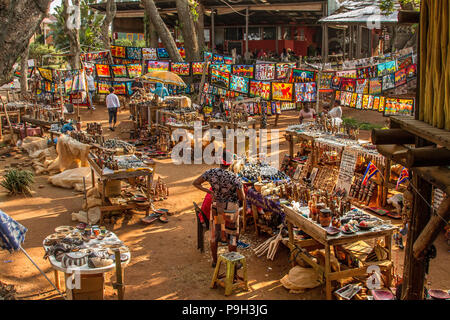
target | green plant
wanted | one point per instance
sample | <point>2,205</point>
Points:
<point>18,181</point>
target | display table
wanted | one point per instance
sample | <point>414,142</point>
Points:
<point>147,172</point>
<point>320,239</point>
<point>232,125</point>
<point>92,279</point>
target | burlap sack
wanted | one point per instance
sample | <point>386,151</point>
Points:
<point>298,279</point>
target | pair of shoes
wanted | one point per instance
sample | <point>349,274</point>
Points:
<point>113,129</point>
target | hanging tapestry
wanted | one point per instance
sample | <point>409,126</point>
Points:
<point>217,58</point>
<point>336,83</point>
<point>125,61</point>
<point>375,86</point>
<point>102,70</point>
<point>149,54</point>
<point>157,66</point>
<point>388,81</point>
<point>180,68</point>
<point>362,86</point>
<point>363,73</point>
<point>197,68</point>
<point>162,53</point>
<point>382,104</point>
<point>365,101</point>
<point>220,78</point>
<point>119,71</point>
<point>46,74</point>
<point>207,56</point>
<point>376,103</point>
<point>404,62</point>
<point>326,80</point>
<point>120,88</point>
<point>348,84</point>
<point>118,52</point>
<point>282,91</point>
<point>221,67</point>
<point>370,103</point>
<point>239,84</point>
<point>400,77</point>
<point>228,60</point>
<point>398,106</point>
<point>387,67</point>
<point>298,75</point>
<point>243,70</point>
<point>305,92</point>
<point>68,85</point>
<point>283,69</point>
<point>134,70</point>
<point>134,53</point>
<point>343,96</point>
<point>103,87</point>
<point>260,89</point>
<point>265,71</point>
<point>338,95</point>
<point>411,71</point>
<point>359,101</point>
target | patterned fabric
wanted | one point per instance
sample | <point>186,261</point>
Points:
<point>224,184</point>
<point>257,199</point>
<point>134,53</point>
<point>224,229</point>
<point>12,233</point>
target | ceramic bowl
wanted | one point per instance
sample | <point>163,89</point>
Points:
<point>438,294</point>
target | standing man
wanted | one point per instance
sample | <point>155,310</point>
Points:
<point>226,192</point>
<point>91,88</point>
<point>112,104</point>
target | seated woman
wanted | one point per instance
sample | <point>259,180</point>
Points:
<point>307,113</point>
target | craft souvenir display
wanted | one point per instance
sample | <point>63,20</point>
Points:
<point>76,259</point>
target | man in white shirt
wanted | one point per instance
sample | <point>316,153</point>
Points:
<point>113,104</point>
<point>91,87</point>
<point>336,112</point>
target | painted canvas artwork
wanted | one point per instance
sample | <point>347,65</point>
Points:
<point>244,70</point>
<point>265,71</point>
<point>158,66</point>
<point>134,70</point>
<point>282,91</point>
<point>134,53</point>
<point>283,69</point>
<point>180,68</point>
<point>162,53</point>
<point>118,52</point>
<point>197,68</point>
<point>119,71</point>
<point>220,78</point>
<point>362,86</point>
<point>102,71</point>
<point>239,84</point>
<point>305,92</point>
<point>375,86</point>
<point>400,77</point>
<point>299,75</point>
<point>388,81</point>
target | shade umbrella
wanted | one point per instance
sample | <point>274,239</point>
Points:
<point>165,77</point>
<point>12,235</point>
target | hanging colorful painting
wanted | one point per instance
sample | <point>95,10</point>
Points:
<point>102,71</point>
<point>68,85</point>
<point>400,77</point>
<point>338,95</point>
<point>125,61</point>
<point>362,86</point>
<point>388,81</point>
<point>260,89</point>
<point>162,53</point>
<point>376,103</point>
<point>265,71</point>
<point>326,80</point>
<point>282,91</point>
<point>182,52</point>
<point>134,53</point>
<point>118,52</point>
<point>103,87</point>
<point>343,96</point>
<point>404,62</point>
<point>134,70</point>
<point>363,73</point>
<point>411,71</point>
<point>382,104</point>
<point>119,71</point>
<point>217,58</point>
<point>207,56</point>
<point>228,60</point>
<point>348,99</point>
<point>365,101</point>
<point>370,103</point>
<point>387,67</point>
<point>359,101</point>
<point>220,78</point>
<point>283,69</point>
<point>157,66</point>
<point>396,106</point>
<point>221,67</point>
<point>305,92</point>
<point>244,70</point>
<point>299,75</point>
<point>348,84</point>
<point>46,74</point>
<point>375,86</point>
<point>180,68</point>
<point>197,68</point>
<point>336,83</point>
<point>239,84</point>
<point>149,54</point>
<point>347,74</point>
<point>120,88</point>
<point>353,101</point>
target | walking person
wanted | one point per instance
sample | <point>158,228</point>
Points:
<point>112,104</point>
<point>227,191</point>
<point>91,88</point>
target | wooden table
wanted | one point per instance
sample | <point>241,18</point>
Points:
<point>232,125</point>
<point>320,239</point>
<point>119,175</point>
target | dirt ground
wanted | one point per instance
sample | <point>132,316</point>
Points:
<point>165,263</point>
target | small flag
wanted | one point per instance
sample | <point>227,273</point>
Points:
<point>404,175</point>
<point>370,172</point>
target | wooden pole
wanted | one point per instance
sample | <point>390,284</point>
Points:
<point>392,136</point>
<point>119,286</point>
<point>385,182</point>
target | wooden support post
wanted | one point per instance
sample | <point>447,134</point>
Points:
<point>119,285</point>
<point>327,272</point>
<point>414,269</point>
<point>387,174</point>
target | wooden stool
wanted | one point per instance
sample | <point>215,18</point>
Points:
<point>230,259</point>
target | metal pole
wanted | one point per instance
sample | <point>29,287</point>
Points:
<point>246,32</point>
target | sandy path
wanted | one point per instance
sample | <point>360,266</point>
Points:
<point>165,263</point>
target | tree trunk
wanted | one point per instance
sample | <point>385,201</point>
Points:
<point>151,35</point>
<point>189,31</point>
<point>200,26</point>
<point>19,20</point>
<point>163,31</point>
<point>73,34</point>
<point>111,9</point>
<point>24,70</point>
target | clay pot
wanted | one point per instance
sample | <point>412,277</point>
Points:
<point>325,217</point>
